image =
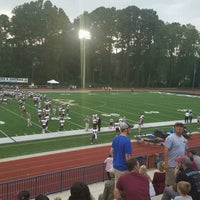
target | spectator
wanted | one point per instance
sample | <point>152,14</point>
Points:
<point>184,172</point>
<point>80,191</point>
<point>157,158</point>
<point>143,170</point>
<point>195,158</point>
<point>159,178</point>
<point>183,189</point>
<point>132,185</point>
<point>41,197</point>
<point>121,150</point>
<point>23,195</point>
<point>175,145</point>
<point>108,192</point>
<point>171,131</point>
<point>109,165</point>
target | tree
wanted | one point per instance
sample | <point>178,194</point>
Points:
<point>38,29</point>
<point>5,48</point>
<point>130,47</point>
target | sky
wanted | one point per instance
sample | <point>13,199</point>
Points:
<point>181,11</point>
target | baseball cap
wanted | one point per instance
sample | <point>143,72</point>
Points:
<point>179,124</point>
<point>183,159</point>
<point>124,125</point>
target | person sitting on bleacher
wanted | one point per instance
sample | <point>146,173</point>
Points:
<point>41,197</point>
<point>124,186</point>
<point>108,192</point>
<point>196,158</point>
<point>23,195</point>
<point>80,191</point>
<point>159,178</point>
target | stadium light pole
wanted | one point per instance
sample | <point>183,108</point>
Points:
<point>83,36</point>
<point>35,63</point>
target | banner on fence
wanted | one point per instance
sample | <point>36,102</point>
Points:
<point>13,80</point>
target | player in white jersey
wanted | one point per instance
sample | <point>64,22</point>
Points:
<point>62,122</point>
<point>35,100</point>
<point>67,108</point>
<point>47,117</point>
<point>63,113</point>
<point>23,109</point>
<point>28,116</point>
<point>47,111</point>
<point>47,104</point>
<point>59,111</point>
<point>94,130</point>
<point>94,116</point>
<point>121,119</point>
<point>44,124</point>
<point>39,114</point>
<point>140,122</point>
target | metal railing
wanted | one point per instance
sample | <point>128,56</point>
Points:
<point>56,182</point>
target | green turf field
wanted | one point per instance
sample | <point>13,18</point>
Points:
<point>156,107</point>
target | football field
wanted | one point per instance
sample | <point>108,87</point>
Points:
<point>156,107</point>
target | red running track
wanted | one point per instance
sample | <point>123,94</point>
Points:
<point>27,167</point>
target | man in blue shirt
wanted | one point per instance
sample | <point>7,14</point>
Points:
<point>121,150</point>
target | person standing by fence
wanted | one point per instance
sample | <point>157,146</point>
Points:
<point>121,150</point>
<point>109,165</point>
<point>175,145</point>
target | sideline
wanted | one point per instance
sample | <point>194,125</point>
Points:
<point>7,136</point>
<point>80,132</point>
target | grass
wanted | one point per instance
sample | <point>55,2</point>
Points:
<point>156,107</point>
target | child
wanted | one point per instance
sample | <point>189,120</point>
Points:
<point>109,165</point>
<point>143,170</point>
<point>159,178</point>
<point>183,189</point>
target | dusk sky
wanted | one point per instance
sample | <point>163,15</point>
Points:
<point>182,11</point>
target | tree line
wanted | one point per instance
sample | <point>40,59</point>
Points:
<point>130,47</point>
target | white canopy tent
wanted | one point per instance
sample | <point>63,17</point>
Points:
<point>52,81</point>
